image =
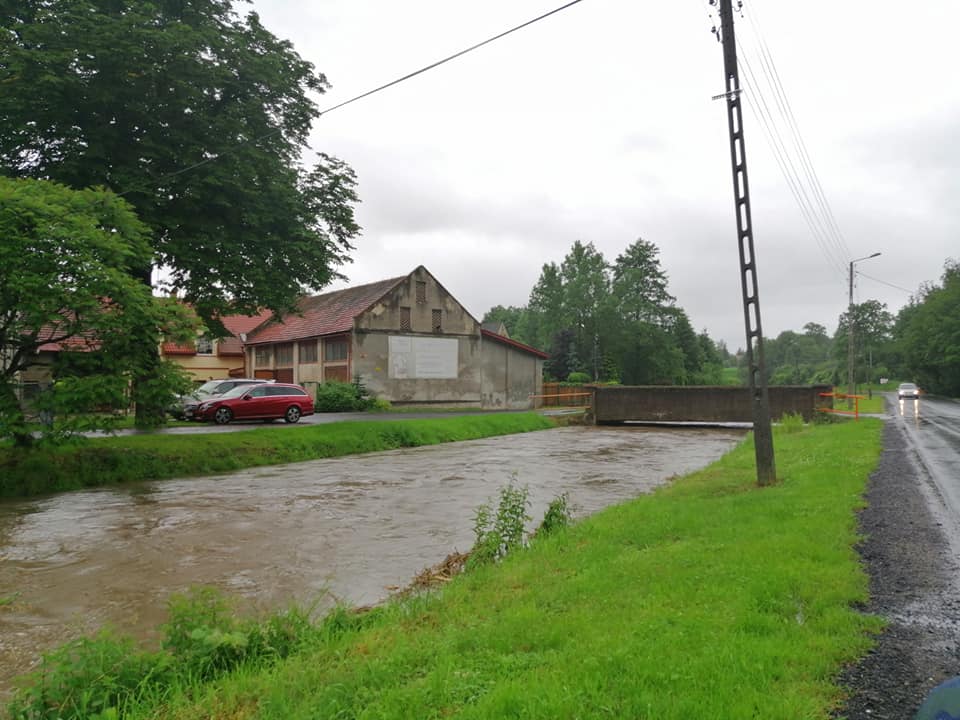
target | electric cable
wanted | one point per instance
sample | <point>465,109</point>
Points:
<point>368,93</point>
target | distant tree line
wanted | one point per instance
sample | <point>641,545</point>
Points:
<point>613,321</point>
<point>921,343</point>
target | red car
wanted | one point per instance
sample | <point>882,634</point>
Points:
<point>257,402</point>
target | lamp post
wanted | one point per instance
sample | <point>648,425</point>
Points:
<point>850,331</point>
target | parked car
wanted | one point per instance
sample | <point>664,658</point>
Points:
<point>186,405</point>
<point>908,391</point>
<point>267,401</point>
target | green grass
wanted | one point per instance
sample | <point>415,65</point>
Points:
<point>711,598</point>
<point>105,461</point>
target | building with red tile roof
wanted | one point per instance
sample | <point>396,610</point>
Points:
<point>408,340</point>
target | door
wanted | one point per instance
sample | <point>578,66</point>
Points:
<point>253,403</point>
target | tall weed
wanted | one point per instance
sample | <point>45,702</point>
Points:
<point>501,531</point>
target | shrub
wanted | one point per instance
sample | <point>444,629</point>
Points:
<point>337,396</point>
<point>578,378</point>
<point>557,515</point>
<point>89,678</point>
<point>791,423</point>
<point>497,533</point>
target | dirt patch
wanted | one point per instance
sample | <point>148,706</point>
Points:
<point>912,585</point>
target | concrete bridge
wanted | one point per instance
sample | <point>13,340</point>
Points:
<point>715,404</point>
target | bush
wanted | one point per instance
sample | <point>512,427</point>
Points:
<point>557,515</point>
<point>89,678</point>
<point>347,397</point>
<point>497,533</point>
<point>578,378</point>
<point>791,423</point>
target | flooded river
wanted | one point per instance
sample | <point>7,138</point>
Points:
<point>327,530</point>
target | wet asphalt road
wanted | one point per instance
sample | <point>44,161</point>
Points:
<point>932,429</point>
<point>911,546</point>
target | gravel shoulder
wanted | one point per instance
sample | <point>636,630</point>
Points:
<point>909,552</point>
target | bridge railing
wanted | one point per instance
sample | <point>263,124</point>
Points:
<point>843,396</point>
<point>575,397</point>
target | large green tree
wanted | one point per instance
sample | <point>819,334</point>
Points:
<point>199,118</point>
<point>928,334</point>
<point>872,340</point>
<point>68,260</point>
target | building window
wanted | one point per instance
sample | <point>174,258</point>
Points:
<point>263,356</point>
<point>308,352</point>
<point>404,318</point>
<point>334,350</point>
<point>204,346</point>
<point>285,355</point>
<point>437,320</point>
<point>421,292</point>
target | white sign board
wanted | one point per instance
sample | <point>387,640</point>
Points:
<point>423,358</point>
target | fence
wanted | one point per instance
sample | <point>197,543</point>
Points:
<point>562,395</point>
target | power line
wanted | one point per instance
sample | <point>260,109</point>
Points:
<point>788,115</point>
<point>794,181</point>
<point>799,182</point>
<point>368,93</point>
<point>884,282</point>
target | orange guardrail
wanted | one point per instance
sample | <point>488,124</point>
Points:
<point>557,396</point>
<point>843,396</point>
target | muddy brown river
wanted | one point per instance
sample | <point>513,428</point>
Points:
<point>322,531</point>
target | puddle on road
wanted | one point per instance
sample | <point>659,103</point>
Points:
<point>327,530</point>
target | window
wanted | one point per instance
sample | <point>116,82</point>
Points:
<point>275,391</point>
<point>263,355</point>
<point>437,320</point>
<point>421,292</point>
<point>258,391</point>
<point>204,346</point>
<point>285,355</point>
<point>404,318</point>
<point>308,352</point>
<point>334,350</point>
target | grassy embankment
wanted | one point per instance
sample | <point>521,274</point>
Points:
<point>709,598</point>
<point>106,461</point>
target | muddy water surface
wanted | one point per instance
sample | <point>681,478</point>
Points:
<point>343,529</point>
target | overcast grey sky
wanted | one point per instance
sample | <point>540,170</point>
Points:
<point>597,124</point>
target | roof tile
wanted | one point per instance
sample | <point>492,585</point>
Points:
<point>331,312</point>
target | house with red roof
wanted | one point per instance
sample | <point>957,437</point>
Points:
<point>407,339</point>
<point>209,358</point>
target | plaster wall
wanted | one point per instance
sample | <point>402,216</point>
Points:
<point>509,377</point>
<point>385,315</point>
<point>371,359</point>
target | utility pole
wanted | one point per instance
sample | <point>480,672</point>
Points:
<point>762,430</point>
<point>850,324</point>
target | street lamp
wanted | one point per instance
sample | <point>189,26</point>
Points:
<point>850,331</point>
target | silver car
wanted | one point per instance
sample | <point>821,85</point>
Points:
<point>908,391</point>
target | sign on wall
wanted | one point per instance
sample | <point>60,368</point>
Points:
<point>421,358</point>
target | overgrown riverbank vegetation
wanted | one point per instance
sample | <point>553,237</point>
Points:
<point>709,598</point>
<point>91,462</point>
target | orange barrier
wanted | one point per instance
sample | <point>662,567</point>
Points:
<point>843,396</point>
<point>556,396</point>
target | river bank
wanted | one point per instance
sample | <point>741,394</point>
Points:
<point>95,462</point>
<point>709,598</point>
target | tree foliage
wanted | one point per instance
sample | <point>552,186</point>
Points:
<point>927,334</point>
<point>199,118</point>
<point>68,262</point>
<point>612,321</point>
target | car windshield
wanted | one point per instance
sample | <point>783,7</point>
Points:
<point>208,386</point>
<point>908,386</point>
